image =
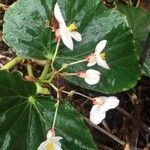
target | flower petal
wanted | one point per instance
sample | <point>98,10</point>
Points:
<point>91,63</point>
<point>57,147</point>
<point>57,138</point>
<point>100,46</point>
<point>66,38</point>
<point>92,76</point>
<point>58,14</point>
<point>43,145</point>
<point>101,62</point>
<point>76,35</point>
<point>96,115</point>
<point>109,103</point>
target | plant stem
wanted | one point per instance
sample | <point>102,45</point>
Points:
<point>45,70</point>
<point>130,2</point>
<point>55,115</point>
<point>70,64</point>
<point>56,105</point>
<point>137,4</point>
<point>3,6</point>
<point>77,93</point>
<point>12,63</point>
<point>54,87</point>
<point>77,62</point>
<point>55,54</point>
<point>30,70</point>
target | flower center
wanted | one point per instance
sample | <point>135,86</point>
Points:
<point>98,101</point>
<point>50,146</point>
<point>72,27</point>
<point>102,55</point>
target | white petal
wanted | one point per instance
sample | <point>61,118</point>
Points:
<point>101,62</point>
<point>76,35</point>
<point>66,38</point>
<point>109,103</point>
<point>57,145</point>
<point>43,145</point>
<point>100,46</point>
<point>58,15</point>
<point>57,138</point>
<point>91,63</point>
<point>96,116</point>
<point>92,76</point>
<point>95,108</point>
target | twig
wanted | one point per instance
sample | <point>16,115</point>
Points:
<point>103,146</point>
<point>144,126</point>
<point>134,135</point>
<point>105,132</point>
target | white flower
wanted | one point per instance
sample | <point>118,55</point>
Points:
<point>66,33</point>
<point>101,105</point>
<point>99,56</point>
<point>91,76</point>
<point>96,115</point>
<point>52,142</point>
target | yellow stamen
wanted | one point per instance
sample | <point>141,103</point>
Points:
<point>50,146</point>
<point>72,27</point>
<point>103,55</point>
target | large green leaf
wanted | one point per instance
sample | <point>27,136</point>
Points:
<point>25,118</point>
<point>139,21</point>
<point>120,53</point>
<point>25,30</point>
<point>27,35</point>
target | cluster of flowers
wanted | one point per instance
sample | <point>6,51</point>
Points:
<point>100,104</point>
<point>91,76</point>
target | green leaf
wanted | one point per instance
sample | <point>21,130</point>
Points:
<point>139,21</point>
<point>25,118</point>
<point>124,71</point>
<point>24,29</point>
<point>146,67</point>
<point>27,35</point>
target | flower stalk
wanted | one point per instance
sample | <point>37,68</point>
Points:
<point>55,115</point>
<point>45,70</point>
<point>64,66</point>
<point>55,54</point>
<point>12,63</point>
<point>30,70</point>
<point>56,105</point>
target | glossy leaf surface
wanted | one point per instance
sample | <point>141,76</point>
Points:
<point>25,118</point>
<point>27,35</point>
